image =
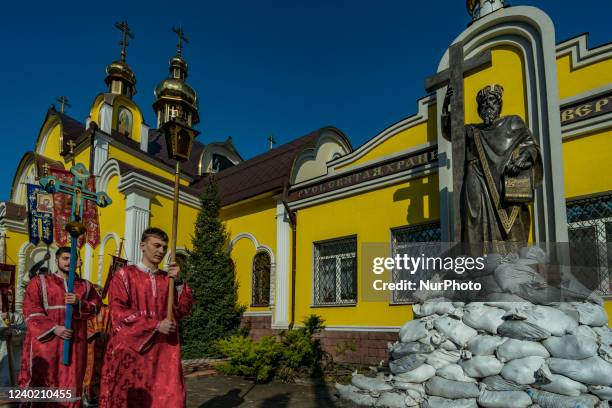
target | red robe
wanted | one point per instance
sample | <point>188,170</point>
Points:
<point>142,367</point>
<point>44,308</point>
<point>98,330</point>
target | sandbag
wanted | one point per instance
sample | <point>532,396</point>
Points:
<point>419,375</point>
<point>483,345</point>
<point>560,384</point>
<point>448,346</point>
<point>441,387</point>
<point>454,372</point>
<point>534,253</point>
<point>370,384</point>
<point>604,335</point>
<point>522,330</point>
<point>439,402</point>
<point>591,371</point>
<point>481,366</point>
<point>553,320</point>
<point>391,400</point>
<point>504,399</point>
<point>406,363</point>
<point>590,314</point>
<point>399,350</point>
<point>440,358</point>
<point>503,297</point>
<point>353,394</point>
<point>438,306</point>
<point>482,317</point>
<point>604,393</point>
<point>412,331</point>
<point>549,400</point>
<point>571,347</point>
<point>522,370</point>
<point>510,276</point>
<point>418,390</point>
<point>586,331</point>
<point>513,349</point>
<point>433,338</point>
<point>489,284</point>
<point>605,352</point>
<point>455,330</point>
<point>499,383</point>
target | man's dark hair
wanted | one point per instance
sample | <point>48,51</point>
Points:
<point>154,232</point>
<point>62,250</point>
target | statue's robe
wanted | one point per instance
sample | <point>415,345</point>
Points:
<point>485,217</point>
<point>142,367</point>
<point>44,308</point>
<point>98,332</point>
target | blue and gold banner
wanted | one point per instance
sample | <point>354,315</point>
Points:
<point>40,215</point>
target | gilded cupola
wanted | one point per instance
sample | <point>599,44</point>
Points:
<point>120,78</point>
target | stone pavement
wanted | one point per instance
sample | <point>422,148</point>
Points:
<point>221,391</point>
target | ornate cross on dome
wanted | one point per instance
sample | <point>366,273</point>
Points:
<point>125,33</point>
<point>181,37</point>
<point>271,142</point>
<point>63,100</point>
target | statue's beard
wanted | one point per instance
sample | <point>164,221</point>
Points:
<point>488,114</point>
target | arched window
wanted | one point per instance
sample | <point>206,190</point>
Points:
<point>261,280</point>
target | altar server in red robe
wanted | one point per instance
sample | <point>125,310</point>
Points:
<point>44,308</point>
<point>142,365</point>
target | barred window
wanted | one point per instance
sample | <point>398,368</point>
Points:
<point>412,240</point>
<point>335,272</point>
<point>261,280</point>
<point>590,236</point>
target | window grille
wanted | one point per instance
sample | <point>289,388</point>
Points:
<point>261,280</point>
<point>335,272</point>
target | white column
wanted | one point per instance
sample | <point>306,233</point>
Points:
<point>19,287</point>
<point>136,221</point>
<point>100,153</point>
<point>144,137</point>
<point>87,261</point>
<point>106,117</point>
<point>283,268</point>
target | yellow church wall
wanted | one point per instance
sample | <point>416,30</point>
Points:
<point>583,157</point>
<point>52,146</point>
<point>370,216</point>
<point>82,157</point>
<point>161,217</point>
<point>585,78</point>
<point>258,218</point>
<point>115,152</point>
<point>94,112</point>
<point>14,241</point>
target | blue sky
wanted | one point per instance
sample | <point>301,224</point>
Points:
<point>260,68</point>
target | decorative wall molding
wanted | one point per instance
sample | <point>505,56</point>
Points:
<point>580,53</point>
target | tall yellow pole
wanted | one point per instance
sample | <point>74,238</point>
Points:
<point>169,311</point>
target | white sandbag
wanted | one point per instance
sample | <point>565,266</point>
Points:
<point>432,338</point>
<point>353,394</point>
<point>411,401</point>
<point>370,384</point>
<point>522,370</point>
<point>448,345</point>
<point>503,297</point>
<point>454,372</point>
<point>406,363</point>
<point>522,330</point>
<point>591,314</point>
<point>399,349</point>
<point>418,390</point>
<point>571,347</point>
<point>440,358</point>
<point>549,400</point>
<point>605,352</point>
<point>504,399</point>
<point>441,387</point>
<point>510,276</point>
<point>439,402</point>
<point>560,384</point>
<point>513,349</point>
<point>482,317</point>
<point>586,331</point>
<point>604,393</point>
<point>419,375</point>
<point>604,335</point>
<point>553,320</point>
<point>591,371</point>
<point>533,252</point>
<point>391,400</point>
<point>412,331</point>
<point>455,330</point>
<point>499,383</point>
<point>481,366</point>
<point>483,345</point>
<point>438,306</point>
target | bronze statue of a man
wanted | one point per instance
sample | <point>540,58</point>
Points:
<point>503,165</point>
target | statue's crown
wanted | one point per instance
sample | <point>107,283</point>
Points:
<point>495,89</point>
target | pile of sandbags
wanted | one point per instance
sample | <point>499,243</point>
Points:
<point>506,354</point>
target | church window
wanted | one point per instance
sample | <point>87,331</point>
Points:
<point>220,162</point>
<point>335,272</point>
<point>589,223</point>
<point>124,121</point>
<point>261,280</point>
<point>413,240</point>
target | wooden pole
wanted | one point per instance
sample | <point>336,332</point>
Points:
<point>169,309</point>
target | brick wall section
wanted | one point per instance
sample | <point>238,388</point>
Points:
<point>370,347</point>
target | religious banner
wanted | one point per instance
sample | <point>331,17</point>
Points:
<point>62,206</point>
<point>7,287</point>
<point>117,264</point>
<point>40,215</point>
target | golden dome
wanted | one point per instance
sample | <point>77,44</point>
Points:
<point>119,71</point>
<point>173,88</point>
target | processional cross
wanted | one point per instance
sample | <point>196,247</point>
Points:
<point>80,194</point>
<point>453,77</point>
